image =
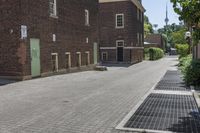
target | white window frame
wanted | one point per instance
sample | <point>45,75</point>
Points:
<point>138,14</point>
<point>53,8</point>
<point>102,55</point>
<point>69,59</point>
<point>87,39</point>
<point>79,61</point>
<point>141,15</point>
<point>88,57</point>
<point>87,17</point>
<point>117,43</point>
<point>116,21</point>
<point>138,39</point>
<point>55,54</point>
<point>141,39</point>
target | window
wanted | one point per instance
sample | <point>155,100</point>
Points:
<point>141,16</point>
<point>138,14</point>
<point>120,43</point>
<point>88,57</point>
<point>68,60</point>
<point>104,56</point>
<point>87,17</point>
<point>141,39</point>
<point>52,8</point>
<point>138,39</point>
<point>87,40</point>
<point>119,20</point>
<point>78,59</point>
<point>54,59</point>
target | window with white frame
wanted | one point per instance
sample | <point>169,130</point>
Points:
<point>87,17</point>
<point>52,7</point>
<point>138,39</point>
<point>119,20</point>
<point>138,14</point>
<point>104,56</point>
<point>141,39</point>
<point>78,59</point>
<point>120,43</point>
<point>87,57</point>
<point>54,59</point>
<point>87,40</point>
<point>68,60</point>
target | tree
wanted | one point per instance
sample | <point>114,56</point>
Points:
<point>178,37</point>
<point>175,34</point>
<point>148,28</point>
<point>190,13</point>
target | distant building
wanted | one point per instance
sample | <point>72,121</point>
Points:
<point>39,38</point>
<point>154,40</point>
<point>121,31</point>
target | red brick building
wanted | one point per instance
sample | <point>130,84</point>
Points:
<point>121,31</point>
<point>42,37</point>
<point>155,40</point>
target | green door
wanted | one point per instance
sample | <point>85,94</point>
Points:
<point>95,52</point>
<point>35,57</point>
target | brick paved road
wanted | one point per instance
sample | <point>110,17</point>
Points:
<point>87,102</point>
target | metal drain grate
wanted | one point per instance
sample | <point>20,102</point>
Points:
<point>171,81</point>
<point>176,113</point>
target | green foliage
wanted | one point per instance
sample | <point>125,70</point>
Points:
<point>191,70</point>
<point>190,13</point>
<point>182,50</point>
<point>155,53</point>
<point>178,37</point>
<point>188,10</point>
<point>146,53</point>
<point>175,34</point>
<point>148,28</point>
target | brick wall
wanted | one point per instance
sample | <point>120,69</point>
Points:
<point>109,34</point>
<point>69,28</point>
<point>9,38</point>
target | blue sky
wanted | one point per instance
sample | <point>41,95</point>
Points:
<point>156,10</point>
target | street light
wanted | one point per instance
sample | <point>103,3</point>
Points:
<point>188,37</point>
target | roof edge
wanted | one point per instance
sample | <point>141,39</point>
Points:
<point>135,2</point>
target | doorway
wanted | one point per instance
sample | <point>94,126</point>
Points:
<point>35,57</point>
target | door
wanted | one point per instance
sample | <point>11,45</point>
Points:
<point>95,49</point>
<point>35,57</point>
<point>120,54</point>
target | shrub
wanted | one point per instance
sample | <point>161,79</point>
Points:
<point>184,60</point>
<point>191,70</point>
<point>146,53</point>
<point>155,53</point>
<point>182,50</point>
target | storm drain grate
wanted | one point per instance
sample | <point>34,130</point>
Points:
<point>171,81</point>
<point>176,113</point>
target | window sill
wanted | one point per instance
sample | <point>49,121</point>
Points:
<point>53,16</point>
<point>119,27</point>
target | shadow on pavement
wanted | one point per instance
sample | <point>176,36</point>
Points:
<point>116,65</point>
<point>6,81</point>
<point>189,124</point>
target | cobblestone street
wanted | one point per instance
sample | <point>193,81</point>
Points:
<point>86,102</point>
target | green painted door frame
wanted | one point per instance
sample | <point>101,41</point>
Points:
<point>95,50</point>
<point>35,57</point>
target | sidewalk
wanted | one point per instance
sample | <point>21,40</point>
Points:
<point>170,107</point>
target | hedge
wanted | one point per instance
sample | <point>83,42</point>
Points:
<point>155,53</point>
<point>191,70</point>
<point>182,50</point>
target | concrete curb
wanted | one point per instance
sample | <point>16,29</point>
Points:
<point>120,126</point>
<point>197,99</point>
